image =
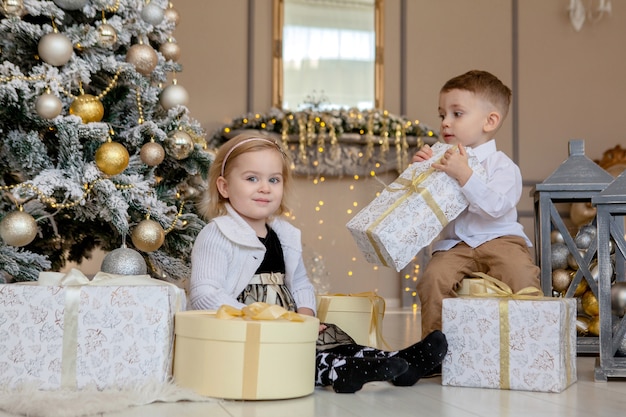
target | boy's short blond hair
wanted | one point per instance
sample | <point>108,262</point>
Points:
<point>485,85</point>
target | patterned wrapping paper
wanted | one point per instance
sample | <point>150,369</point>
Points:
<point>123,335</point>
<point>411,212</point>
<point>513,344</point>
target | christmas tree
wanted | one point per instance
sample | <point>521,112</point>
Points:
<point>97,147</point>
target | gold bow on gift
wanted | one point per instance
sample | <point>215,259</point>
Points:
<point>500,289</point>
<point>257,311</point>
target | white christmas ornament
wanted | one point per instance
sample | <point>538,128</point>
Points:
<point>48,106</point>
<point>173,95</point>
<point>152,14</point>
<point>55,49</point>
<point>70,4</point>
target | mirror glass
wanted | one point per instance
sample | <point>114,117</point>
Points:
<point>325,54</point>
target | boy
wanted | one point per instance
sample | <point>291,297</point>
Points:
<point>486,237</point>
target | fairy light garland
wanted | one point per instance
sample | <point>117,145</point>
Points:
<point>99,96</point>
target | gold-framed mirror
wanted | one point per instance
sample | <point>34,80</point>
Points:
<point>343,71</point>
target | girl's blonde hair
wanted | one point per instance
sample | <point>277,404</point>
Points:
<point>212,203</point>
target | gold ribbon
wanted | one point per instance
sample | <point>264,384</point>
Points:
<point>375,333</point>
<point>73,282</point>
<point>257,311</point>
<point>254,312</point>
<point>502,290</point>
<point>410,187</point>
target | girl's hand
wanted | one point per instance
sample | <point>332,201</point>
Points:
<point>423,154</point>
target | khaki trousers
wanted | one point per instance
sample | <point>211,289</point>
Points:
<point>506,258</point>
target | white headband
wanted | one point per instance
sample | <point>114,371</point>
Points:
<point>241,143</point>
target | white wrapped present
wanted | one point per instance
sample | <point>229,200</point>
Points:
<point>410,212</point>
<point>66,331</point>
<point>512,342</point>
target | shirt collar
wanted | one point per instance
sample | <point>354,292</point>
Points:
<point>483,151</point>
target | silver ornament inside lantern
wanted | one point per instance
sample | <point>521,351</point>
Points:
<point>48,106</point>
<point>179,144</point>
<point>124,261</point>
<point>55,49</point>
<point>173,95</point>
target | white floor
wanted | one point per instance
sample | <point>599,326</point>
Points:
<point>585,398</point>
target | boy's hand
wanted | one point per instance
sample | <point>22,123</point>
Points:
<point>423,154</point>
<point>455,165</point>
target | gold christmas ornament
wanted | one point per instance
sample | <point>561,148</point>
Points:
<point>107,35</point>
<point>571,261</point>
<point>18,228</point>
<point>170,51</point>
<point>594,326</point>
<point>152,13</point>
<point>143,57</point>
<point>179,144</point>
<point>152,154</point>
<point>561,279</point>
<point>124,261</point>
<point>88,108</point>
<point>582,213</point>
<point>148,235</point>
<point>12,8</point>
<point>173,95</point>
<point>172,15</point>
<point>581,288</point>
<point>556,237</point>
<point>48,106</point>
<point>55,49</point>
<point>590,303</point>
<point>112,158</point>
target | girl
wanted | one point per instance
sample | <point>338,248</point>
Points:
<point>248,253</point>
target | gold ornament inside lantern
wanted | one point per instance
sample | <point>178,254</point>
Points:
<point>590,303</point>
<point>148,235</point>
<point>112,158</point>
<point>89,108</point>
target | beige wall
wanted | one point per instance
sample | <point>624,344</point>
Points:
<point>569,85</point>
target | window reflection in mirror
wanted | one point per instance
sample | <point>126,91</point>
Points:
<point>326,52</point>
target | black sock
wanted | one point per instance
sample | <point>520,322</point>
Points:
<point>352,373</point>
<point>422,357</point>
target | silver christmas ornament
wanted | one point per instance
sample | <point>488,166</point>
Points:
<point>559,256</point>
<point>583,239</point>
<point>618,298</point>
<point>107,35</point>
<point>18,228</point>
<point>124,261</point>
<point>143,57</point>
<point>172,96</point>
<point>152,13</point>
<point>70,4</point>
<point>152,154</point>
<point>170,51</point>
<point>179,144</point>
<point>55,49</point>
<point>556,236</point>
<point>48,106</point>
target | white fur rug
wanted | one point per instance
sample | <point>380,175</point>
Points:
<point>32,402</point>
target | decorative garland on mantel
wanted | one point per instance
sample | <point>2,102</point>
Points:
<point>337,142</point>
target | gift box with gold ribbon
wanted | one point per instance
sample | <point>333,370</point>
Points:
<point>360,315</point>
<point>506,340</point>
<point>410,212</point>
<point>261,352</point>
<point>68,332</point>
